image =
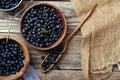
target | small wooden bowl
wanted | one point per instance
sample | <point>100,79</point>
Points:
<point>25,61</point>
<point>13,7</point>
<point>63,23</point>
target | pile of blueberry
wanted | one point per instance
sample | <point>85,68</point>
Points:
<point>52,57</point>
<point>11,57</point>
<point>8,4</point>
<point>42,26</point>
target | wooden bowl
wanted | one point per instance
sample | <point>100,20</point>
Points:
<point>25,61</point>
<point>64,24</point>
<point>13,7</point>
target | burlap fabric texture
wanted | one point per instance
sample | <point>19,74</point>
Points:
<point>100,46</point>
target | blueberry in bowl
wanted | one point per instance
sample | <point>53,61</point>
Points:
<point>43,26</point>
<point>7,5</point>
<point>14,58</point>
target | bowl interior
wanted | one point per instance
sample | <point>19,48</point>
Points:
<point>25,61</point>
<point>59,12</point>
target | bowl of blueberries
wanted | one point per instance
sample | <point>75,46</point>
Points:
<point>7,5</point>
<point>43,26</point>
<point>14,58</point>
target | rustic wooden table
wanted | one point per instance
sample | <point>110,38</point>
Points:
<point>70,64</point>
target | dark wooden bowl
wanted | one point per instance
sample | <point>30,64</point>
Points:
<point>13,7</point>
<point>25,61</point>
<point>63,23</point>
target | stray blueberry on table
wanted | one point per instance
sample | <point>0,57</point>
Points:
<point>11,57</point>
<point>42,26</point>
<point>42,57</point>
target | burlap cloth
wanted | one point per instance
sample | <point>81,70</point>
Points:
<point>100,46</point>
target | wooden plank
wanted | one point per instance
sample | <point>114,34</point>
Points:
<point>61,75</point>
<point>114,76</point>
<point>51,0</point>
<point>64,75</point>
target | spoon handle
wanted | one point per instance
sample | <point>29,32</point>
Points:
<point>83,21</point>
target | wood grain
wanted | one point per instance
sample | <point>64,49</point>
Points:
<point>70,63</point>
<point>61,75</point>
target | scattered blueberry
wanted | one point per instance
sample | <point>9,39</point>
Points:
<point>11,57</point>
<point>42,57</point>
<point>42,26</point>
<point>57,68</point>
<point>8,4</point>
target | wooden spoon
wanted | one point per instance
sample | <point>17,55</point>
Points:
<point>65,41</point>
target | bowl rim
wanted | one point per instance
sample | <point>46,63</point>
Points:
<point>64,21</point>
<point>13,7</point>
<point>26,61</point>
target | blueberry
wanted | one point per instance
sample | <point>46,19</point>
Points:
<point>20,51</point>
<point>18,66</point>
<point>12,62</point>
<point>13,72</point>
<point>8,62</point>
<point>19,58</point>
<point>22,57</point>
<point>4,56</point>
<point>55,55</point>
<point>21,65</point>
<point>3,63</point>
<point>7,73</point>
<point>14,51</point>
<point>44,68</point>
<point>57,68</point>
<point>42,57</point>
<point>46,60</point>
<point>53,59</point>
